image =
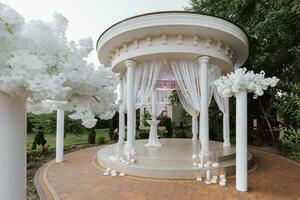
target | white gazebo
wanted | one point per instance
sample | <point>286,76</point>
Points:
<point>192,50</point>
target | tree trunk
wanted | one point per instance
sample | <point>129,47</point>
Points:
<point>267,119</point>
<point>92,136</point>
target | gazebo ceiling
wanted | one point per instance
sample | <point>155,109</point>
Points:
<point>173,35</point>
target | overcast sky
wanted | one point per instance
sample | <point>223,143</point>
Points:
<point>91,17</point>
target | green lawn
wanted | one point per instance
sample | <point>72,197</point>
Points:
<point>70,139</point>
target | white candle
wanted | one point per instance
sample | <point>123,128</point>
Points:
<point>122,174</point>
<point>106,173</point>
<point>213,181</point>
<point>199,179</point>
<point>207,174</point>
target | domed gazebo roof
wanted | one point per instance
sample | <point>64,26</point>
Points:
<point>173,35</point>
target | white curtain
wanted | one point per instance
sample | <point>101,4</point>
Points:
<point>191,111</point>
<point>123,99</point>
<point>161,101</point>
<point>187,74</point>
<point>146,74</point>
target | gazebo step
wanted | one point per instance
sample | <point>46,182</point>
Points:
<point>171,161</point>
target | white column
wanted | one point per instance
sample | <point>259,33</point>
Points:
<point>153,139</point>
<point>241,142</point>
<point>60,121</point>
<point>12,147</point>
<point>195,127</point>
<point>121,112</point>
<point>204,64</point>
<point>226,124</point>
<point>130,64</point>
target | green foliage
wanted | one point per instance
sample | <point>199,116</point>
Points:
<point>113,127</point>
<point>102,123</point>
<point>39,139</point>
<point>174,99</point>
<point>92,136</point>
<point>215,122</point>
<point>73,126</point>
<point>273,29</point>
<point>100,140</point>
<point>167,122</point>
<point>143,134</point>
<point>179,133</point>
<point>45,122</point>
<point>288,106</point>
<point>290,144</point>
<point>146,117</point>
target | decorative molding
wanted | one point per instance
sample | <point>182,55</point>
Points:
<point>227,49</point>
<point>208,42</point>
<point>136,44</point>
<point>219,45</point>
<point>149,41</point>
<point>125,47</point>
<point>117,51</point>
<point>195,40</point>
<point>159,25</point>
<point>164,38</point>
<point>193,43</point>
<point>179,38</point>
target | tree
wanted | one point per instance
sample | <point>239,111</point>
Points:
<point>273,29</point>
<point>37,62</point>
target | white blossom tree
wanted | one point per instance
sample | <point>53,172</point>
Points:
<point>239,84</point>
<point>38,62</point>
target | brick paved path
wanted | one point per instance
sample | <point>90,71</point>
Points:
<point>77,178</point>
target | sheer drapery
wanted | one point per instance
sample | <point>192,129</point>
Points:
<point>161,101</point>
<point>223,104</point>
<point>146,75</point>
<point>123,97</point>
<point>122,109</point>
<point>187,74</point>
<point>191,111</point>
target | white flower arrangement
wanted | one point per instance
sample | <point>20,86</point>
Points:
<point>39,62</point>
<point>243,80</point>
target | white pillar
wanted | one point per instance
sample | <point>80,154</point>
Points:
<point>241,142</point>
<point>121,112</point>
<point>12,147</point>
<point>130,65</point>
<point>153,139</point>
<point>195,126</point>
<point>226,124</point>
<point>60,121</point>
<point>204,64</point>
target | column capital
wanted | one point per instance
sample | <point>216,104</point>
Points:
<point>130,63</point>
<point>203,59</point>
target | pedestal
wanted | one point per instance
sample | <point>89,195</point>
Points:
<point>153,139</point>
<point>226,124</point>
<point>241,142</point>
<point>13,148</point>
<point>204,64</point>
<point>130,65</point>
<point>60,121</point>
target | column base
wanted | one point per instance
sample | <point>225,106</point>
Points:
<point>226,144</point>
